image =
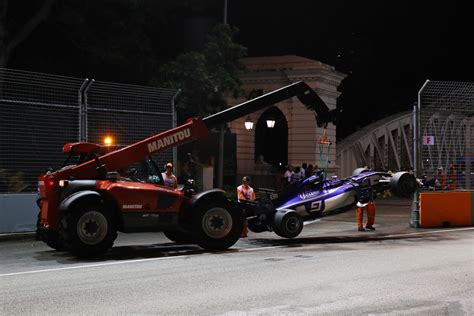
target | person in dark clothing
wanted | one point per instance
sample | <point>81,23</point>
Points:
<point>309,171</point>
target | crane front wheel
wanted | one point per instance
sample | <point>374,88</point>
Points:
<point>88,231</point>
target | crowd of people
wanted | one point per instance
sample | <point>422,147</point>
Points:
<point>442,179</point>
<point>294,174</point>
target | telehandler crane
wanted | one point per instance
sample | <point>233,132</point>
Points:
<point>83,206</point>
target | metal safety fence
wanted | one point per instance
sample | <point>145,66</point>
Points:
<point>39,113</point>
<point>444,157</point>
<point>443,135</point>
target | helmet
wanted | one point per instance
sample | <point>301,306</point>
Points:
<point>245,179</point>
<point>169,165</point>
<point>319,175</point>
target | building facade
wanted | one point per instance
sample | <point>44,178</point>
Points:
<point>293,139</point>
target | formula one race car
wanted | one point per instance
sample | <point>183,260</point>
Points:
<point>316,197</point>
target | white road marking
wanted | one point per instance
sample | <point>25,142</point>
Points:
<point>431,232</point>
<point>186,256</point>
<point>311,222</point>
<point>92,265</point>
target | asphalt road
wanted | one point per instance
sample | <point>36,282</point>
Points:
<point>331,269</point>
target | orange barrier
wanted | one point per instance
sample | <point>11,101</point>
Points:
<point>446,209</point>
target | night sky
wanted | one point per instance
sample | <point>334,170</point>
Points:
<point>387,48</point>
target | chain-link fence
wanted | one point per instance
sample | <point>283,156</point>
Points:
<point>445,157</point>
<point>39,113</point>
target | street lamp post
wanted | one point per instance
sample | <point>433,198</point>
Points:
<point>220,169</point>
<point>225,11</point>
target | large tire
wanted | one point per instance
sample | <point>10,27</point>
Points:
<point>217,225</point>
<point>88,231</point>
<point>38,235</point>
<point>287,223</point>
<point>179,237</point>
<point>51,238</point>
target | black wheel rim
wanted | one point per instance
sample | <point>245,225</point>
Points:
<point>292,225</point>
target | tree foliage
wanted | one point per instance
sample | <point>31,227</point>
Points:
<point>114,40</point>
<point>113,37</point>
<point>14,30</point>
<point>207,76</point>
<point>127,41</point>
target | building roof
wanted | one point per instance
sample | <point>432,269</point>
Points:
<point>281,62</point>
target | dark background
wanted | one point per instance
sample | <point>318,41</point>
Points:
<point>387,48</point>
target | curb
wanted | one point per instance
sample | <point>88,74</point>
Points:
<point>17,236</point>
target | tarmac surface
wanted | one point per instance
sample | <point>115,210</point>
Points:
<point>330,269</point>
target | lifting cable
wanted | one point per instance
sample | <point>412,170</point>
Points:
<point>324,140</point>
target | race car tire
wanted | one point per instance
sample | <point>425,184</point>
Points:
<point>287,223</point>
<point>403,184</point>
<point>217,225</point>
<point>179,237</point>
<point>88,231</point>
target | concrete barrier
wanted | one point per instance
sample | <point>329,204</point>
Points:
<point>446,209</point>
<point>18,213</point>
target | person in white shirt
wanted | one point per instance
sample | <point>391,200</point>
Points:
<point>296,176</point>
<point>169,178</point>
<point>287,174</point>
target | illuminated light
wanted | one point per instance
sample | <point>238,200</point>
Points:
<point>63,183</point>
<point>108,141</point>
<point>248,123</point>
<point>270,122</point>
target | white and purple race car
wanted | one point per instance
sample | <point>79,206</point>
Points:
<point>315,197</point>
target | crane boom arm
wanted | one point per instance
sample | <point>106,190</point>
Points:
<point>197,128</point>
<point>305,94</point>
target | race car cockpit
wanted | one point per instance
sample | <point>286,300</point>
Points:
<point>317,179</point>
